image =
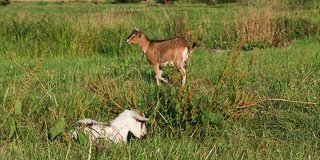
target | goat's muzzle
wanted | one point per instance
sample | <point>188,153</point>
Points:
<point>128,40</point>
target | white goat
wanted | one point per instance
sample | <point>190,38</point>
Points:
<point>161,52</point>
<point>128,121</point>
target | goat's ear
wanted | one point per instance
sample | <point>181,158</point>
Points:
<point>140,118</point>
<point>139,34</point>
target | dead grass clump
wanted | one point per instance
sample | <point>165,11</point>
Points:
<point>271,23</point>
<point>254,22</point>
<point>110,18</point>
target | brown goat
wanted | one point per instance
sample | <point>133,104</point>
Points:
<point>161,52</point>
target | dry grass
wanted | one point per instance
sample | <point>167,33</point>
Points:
<point>110,18</point>
<point>57,0</point>
<point>271,23</point>
<point>254,23</point>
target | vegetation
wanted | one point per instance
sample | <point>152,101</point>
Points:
<point>127,1</point>
<point>252,89</point>
<point>4,2</point>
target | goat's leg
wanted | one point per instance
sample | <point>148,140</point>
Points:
<point>180,65</point>
<point>183,75</point>
<point>158,71</point>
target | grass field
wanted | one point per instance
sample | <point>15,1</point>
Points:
<point>252,91</point>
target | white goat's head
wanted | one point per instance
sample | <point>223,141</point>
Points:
<point>134,120</point>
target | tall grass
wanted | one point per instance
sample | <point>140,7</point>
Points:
<point>272,23</point>
<point>104,31</point>
<point>258,104</point>
<point>251,24</point>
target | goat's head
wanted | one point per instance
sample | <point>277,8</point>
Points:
<point>134,37</point>
<point>137,124</point>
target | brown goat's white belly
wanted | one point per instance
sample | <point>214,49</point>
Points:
<point>165,63</point>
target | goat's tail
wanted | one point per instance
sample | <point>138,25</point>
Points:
<point>192,47</point>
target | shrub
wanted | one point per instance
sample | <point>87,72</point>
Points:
<point>4,2</point>
<point>165,1</point>
<point>304,3</point>
<point>226,1</point>
<point>127,1</point>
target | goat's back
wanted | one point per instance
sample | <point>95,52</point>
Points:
<point>166,50</point>
<point>169,43</point>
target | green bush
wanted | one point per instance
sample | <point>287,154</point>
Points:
<point>127,1</point>
<point>165,1</point>
<point>226,1</point>
<point>4,2</point>
<point>304,3</point>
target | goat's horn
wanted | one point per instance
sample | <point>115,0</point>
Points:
<point>140,118</point>
<point>136,28</point>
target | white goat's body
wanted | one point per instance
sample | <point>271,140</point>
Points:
<point>161,52</point>
<point>129,121</point>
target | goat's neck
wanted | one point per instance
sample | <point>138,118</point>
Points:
<point>121,130</point>
<point>144,43</point>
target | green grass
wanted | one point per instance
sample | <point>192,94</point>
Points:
<point>257,104</point>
